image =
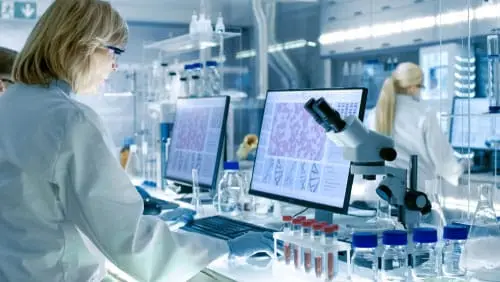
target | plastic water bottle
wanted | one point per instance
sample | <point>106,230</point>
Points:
<point>226,201</point>
<point>213,79</point>
<point>195,83</point>
<point>425,262</point>
<point>394,256</point>
<point>454,243</point>
<point>365,255</point>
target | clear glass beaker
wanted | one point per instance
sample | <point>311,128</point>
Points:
<point>478,258</point>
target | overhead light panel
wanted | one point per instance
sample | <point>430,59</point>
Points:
<point>486,11</point>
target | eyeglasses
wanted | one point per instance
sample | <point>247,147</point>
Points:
<point>115,51</point>
<point>6,81</point>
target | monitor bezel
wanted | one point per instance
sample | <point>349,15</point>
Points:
<point>452,117</point>
<point>220,147</point>
<point>350,178</point>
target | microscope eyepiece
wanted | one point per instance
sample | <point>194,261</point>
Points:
<point>309,107</point>
<point>328,114</point>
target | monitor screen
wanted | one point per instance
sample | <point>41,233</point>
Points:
<point>197,140</point>
<point>481,127</point>
<point>295,161</point>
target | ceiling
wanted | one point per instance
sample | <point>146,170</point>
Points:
<point>235,12</point>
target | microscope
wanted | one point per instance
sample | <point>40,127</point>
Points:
<point>368,151</point>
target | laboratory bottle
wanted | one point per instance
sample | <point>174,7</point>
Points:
<point>484,232</point>
<point>297,232</point>
<point>164,144</point>
<point>184,81</point>
<point>493,52</point>
<point>287,230</point>
<point>454,243</point>
<point>424,255</point>
<point>133,166</point>
<point>364,261</point>
<point>331,264</point>
<point>246,202</point>
<point>193,25</point>
<point>196,83</point>
<point>307,252</point>
<point>170,78</point>
<point>228,191</point>
<point>213,79</point>
<point>219,25</point>
<point>394,256</point>
<point>318,254</point>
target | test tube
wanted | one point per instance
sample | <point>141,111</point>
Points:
<point>287,230</point>
<point>318,254</point>
<point>297,232</point>
<point>307,235</point>
<point>330,236</point>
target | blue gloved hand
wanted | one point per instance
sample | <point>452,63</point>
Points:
<point>179,215</point>
<point>251,243</point>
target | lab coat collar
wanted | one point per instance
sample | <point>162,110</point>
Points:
<point>63,85</point>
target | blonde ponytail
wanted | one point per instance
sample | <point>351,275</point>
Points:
<point>386,107</point>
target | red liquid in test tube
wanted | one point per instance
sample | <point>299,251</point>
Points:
<point>287,229</point>
<point>297,232</point>
<point>306,236</point>
<point>318,254</point>
<point>330,237</point>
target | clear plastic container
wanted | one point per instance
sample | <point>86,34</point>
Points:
<point>297,232</point>
<point>307,252</point>
<point>364,257</point>
<point>394,256</point>
<point>226,201</point>
<point>331,257</point>
<point>454,243</point>
<point>319,258</point>
<point>213,79</point>
<point>196,83</point>
<point>425,257</point>
<point>287,229</point>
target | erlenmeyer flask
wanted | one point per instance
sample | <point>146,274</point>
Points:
<point>479,258</point>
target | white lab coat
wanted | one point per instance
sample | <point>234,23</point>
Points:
<point>61,185</point>
<point>416,131</point>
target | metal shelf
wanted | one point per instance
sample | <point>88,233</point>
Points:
<point>189,43</point>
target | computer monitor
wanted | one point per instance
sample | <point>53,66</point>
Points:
<point>481,127</point>
<point>295,162</point>
<point>197,140</point>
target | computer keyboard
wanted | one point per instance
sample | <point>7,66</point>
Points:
<point>222,227</point>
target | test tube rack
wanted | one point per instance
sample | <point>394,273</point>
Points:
<point>341,274</point>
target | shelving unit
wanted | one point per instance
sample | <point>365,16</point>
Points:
<point>188,43</point>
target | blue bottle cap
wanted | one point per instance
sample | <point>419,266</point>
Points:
<point>231,165</point>
<point>455,232</point>
<point>197,66</point>
<point>164,130</point>
<point>364,240</point>
<point>187,67</point>
<point>128,141</point>
<point>425,235</point>
<point>395,238</point>
<point>211,63</point>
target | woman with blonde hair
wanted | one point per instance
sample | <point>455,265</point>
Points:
<point>415,129</point>
<point>66,203</point>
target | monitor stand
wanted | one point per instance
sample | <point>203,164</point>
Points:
<point>321,215</point>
